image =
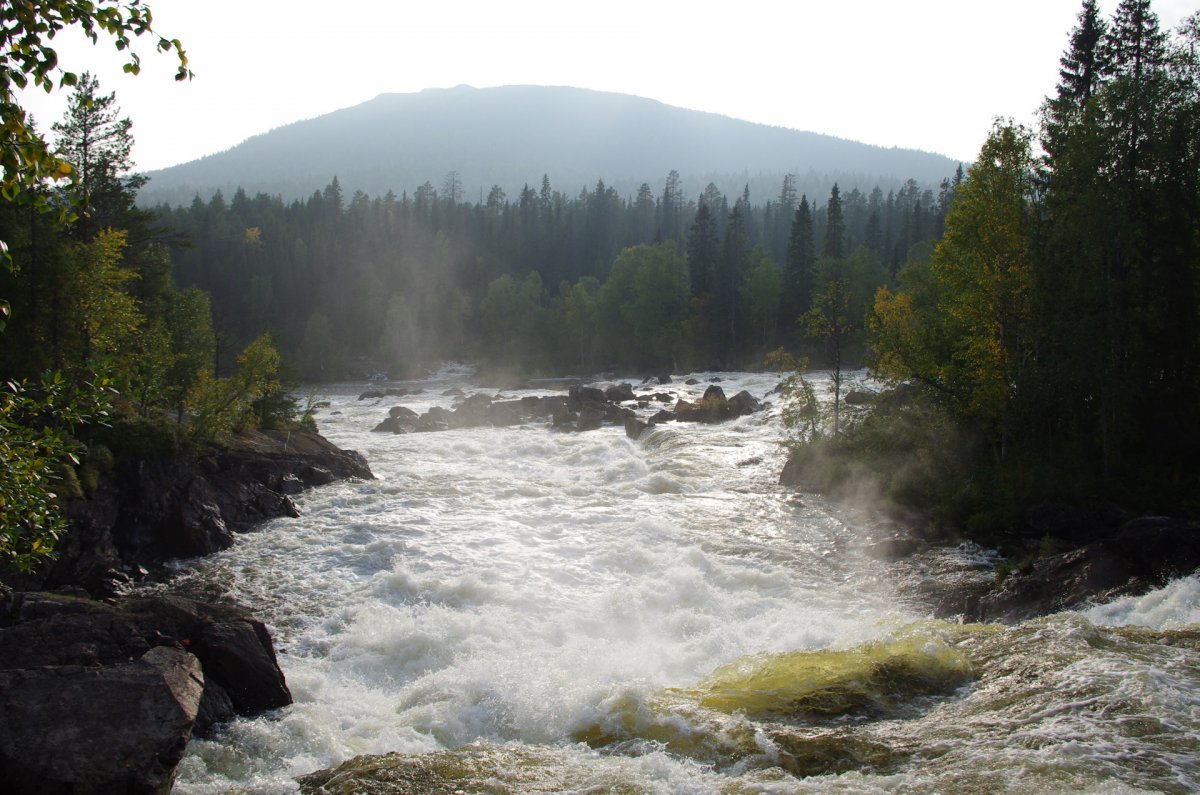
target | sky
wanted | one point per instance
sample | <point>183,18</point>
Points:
<point>923,74</point>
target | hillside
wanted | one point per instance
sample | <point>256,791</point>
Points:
<point>511,136</point>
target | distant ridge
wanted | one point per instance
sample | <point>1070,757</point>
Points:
<point>510,136</point>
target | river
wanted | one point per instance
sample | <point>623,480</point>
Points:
<point>520,610</point>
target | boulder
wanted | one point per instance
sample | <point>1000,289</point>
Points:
<point>578,396</point>
<point>634,427</point>
<point>714,393</point>
<point>508,412</point>
<point>742,403</point>
<point>473,412</point>
<point>117,728</point>
<point>616,414</point>
<point>390,425</point>
<point>708,411</point>
<point>102,698</point>
<point>858,397</point>
<point>402,412</point>
<point>591,417</point>
<point>619,393</point>
<point>544,406</point>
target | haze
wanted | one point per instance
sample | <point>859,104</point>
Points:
<point>929,75</point>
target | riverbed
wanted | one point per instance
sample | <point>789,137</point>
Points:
<point>523,610</point>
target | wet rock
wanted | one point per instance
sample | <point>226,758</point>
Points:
<point>619,393</point>
<point>511,412</point>
<point>564,417</point>
<point>389,425</point>
<point>713,407</point>
<point>591,417</point>
<point>452,392</point>
<point>691,382</point>
<point>372,394</point>
<point>543,407</point>
<point>402,412</point>
<point>634,427</point>
<point>578,396</point>
<point>616,415</point>
<point>473,412</point>
<point>1144,554</point>
<point>743,403</point>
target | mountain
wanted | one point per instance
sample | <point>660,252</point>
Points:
<point>512,135</point>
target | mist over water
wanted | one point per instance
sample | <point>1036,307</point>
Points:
<point>524,610</point>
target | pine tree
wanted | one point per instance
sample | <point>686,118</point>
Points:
<point>97,144</point>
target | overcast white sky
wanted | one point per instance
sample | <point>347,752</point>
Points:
<point>924,74</point>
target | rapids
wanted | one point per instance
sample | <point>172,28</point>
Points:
<point>519,610</point>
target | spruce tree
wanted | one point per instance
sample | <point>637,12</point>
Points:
<point>1083,64</point>
<point>798,268</point>
<point>835,227</point>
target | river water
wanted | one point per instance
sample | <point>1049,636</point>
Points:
<point>520,610</point>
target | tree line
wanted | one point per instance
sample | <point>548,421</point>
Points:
<point>542,282</point>
<point>1056,326</point>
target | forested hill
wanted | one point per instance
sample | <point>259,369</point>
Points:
<point>511,136</point>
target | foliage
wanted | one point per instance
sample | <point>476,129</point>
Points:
<point>36,425</point>
<point>969,340</point>
<point>1058,318</point>
<point>217,408</point>
<point>27,30</point>
<point>801,411</point>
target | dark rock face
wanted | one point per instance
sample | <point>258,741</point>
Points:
<point>97,698</point>
<point>151,510</point>
<point>1142,555</point>
<point>120,728</point>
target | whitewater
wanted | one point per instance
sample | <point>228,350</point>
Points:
<point>523,610</point>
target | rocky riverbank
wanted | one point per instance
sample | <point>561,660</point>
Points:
<point>145,511</point>
<point>103,696</point>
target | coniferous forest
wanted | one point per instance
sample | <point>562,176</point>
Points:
<point>541,283</point>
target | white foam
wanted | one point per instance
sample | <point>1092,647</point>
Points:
<point>1173,606</point>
